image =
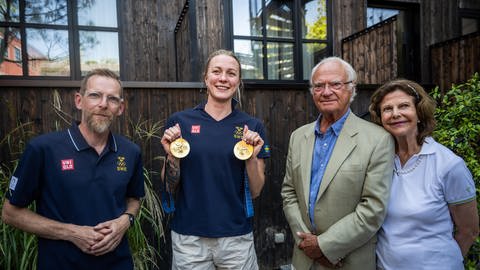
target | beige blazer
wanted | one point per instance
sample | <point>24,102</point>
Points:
<point>351,202</point>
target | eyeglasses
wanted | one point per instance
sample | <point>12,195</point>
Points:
<point>318,87</point>
<point>96,97</point>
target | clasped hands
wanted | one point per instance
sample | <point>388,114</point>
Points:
<point>309,246</point>
<point>102,238</point>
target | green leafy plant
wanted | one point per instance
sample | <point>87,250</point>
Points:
<point>18,250</point>
<point>458,128</point>
<point>150,217</point>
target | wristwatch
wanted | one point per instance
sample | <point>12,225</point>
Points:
<point>131,218</point>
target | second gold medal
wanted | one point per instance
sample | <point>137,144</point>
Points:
<point>243,150</point>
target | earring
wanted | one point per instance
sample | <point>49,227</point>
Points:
<point>418,121</point>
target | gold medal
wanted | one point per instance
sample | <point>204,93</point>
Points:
<point>243,150</point>
<point>180,148</point>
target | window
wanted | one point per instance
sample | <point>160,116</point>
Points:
<point>3,48</point>
<point>11,63</point>
<point>62,38</point>
<point>279,40</point>
<point>18,55</point>
<point>376,14</point>
<point>470,21</point>
<point>469,25</point>
<point>407,36</point>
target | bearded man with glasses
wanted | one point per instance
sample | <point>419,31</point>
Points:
<point>337,178</point>
<point>86,181</point>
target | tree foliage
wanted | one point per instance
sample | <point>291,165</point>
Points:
<point>458,128</point>
<point>318,30</point>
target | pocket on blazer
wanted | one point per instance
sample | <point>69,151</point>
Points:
<point>351,168</point>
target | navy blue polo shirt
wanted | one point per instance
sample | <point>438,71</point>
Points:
<point>211,198</point>
<point>71,183</point>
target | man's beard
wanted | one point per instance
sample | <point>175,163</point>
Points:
<point>99,125</point>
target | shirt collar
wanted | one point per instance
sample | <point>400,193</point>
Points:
<point>336,127</point>
<point>80,143</point>
<point>428,146</point>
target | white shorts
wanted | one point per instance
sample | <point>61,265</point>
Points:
<point>194,252</point>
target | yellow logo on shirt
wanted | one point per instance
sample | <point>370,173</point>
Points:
<point>238,133</point>
<point>121,165</point>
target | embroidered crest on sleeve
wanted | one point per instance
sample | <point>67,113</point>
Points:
<point>13,182</point>
<point>266,148</point>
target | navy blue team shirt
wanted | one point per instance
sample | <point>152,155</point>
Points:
<point>71,183</point>
<point>211,197</point>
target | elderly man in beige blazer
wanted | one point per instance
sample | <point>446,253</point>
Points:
<point>337,179</point>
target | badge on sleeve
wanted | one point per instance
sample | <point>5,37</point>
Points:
<point>13,182</point>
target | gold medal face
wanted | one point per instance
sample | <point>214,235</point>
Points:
<point>243,150</point>
<point>180,148</point>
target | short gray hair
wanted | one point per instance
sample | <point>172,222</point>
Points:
<point>351,74</point>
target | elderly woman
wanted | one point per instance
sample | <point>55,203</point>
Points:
<point>432,190</point>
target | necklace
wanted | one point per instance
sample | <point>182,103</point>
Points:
<point>409,170</point>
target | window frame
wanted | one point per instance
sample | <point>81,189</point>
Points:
<point>73,30</point>
<point>297,40</point>
<point>465,13</point>
<point>410,12</point>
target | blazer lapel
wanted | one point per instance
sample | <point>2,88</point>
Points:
<point>306,150</point>
<point>343,147</point>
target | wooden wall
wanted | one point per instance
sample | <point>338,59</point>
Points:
<point>186,61</point>
<point>211,30</point>
<point>200,32</point>
<point>147,40</point>
<point>373,52</point>
<point>439,22</point>
<point>281,109</point>
<point>158,43</point>
<point>472,4</point>
<point>143,41</point>
<point>349,17</point>
<point>455,61</point>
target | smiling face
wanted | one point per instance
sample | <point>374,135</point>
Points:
<point>399,114</point>
<point>98,108</point>
<point>222,78</point>
<point>332,103</point>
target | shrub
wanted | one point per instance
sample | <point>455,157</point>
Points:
<point>458,128</point>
